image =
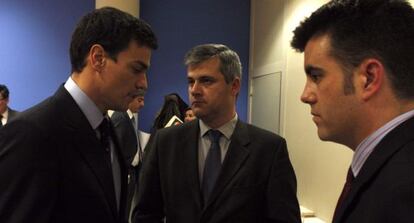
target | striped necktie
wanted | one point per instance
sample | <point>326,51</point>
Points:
<point>212,164</point>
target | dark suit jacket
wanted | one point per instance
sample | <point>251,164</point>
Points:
<point>256,184</point>
<point>54,169</point>
<point>129,144</point>
<point>12,114</point>
<point>126,135</point>
<point>383,191</point>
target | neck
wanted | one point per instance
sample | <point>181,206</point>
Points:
<point>89,87</point>
<point>3,110</point>
<point>378,116</point>
<point>219,121</point>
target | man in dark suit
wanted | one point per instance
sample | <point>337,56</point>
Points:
<point>360,86</point>
<point>126,128</point>
<point>60,160</point>
<point>217,168</point>
<point>6,113</point>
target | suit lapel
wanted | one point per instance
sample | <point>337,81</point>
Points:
<point>388,146</point>
<point>236,155</point>
<point>190,144</point>
<point>84,140</point>
<point>97,159</point>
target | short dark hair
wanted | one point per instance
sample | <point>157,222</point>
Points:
<point>360,29</point>
<point>113,29</point>
<point>4,91</point>
<point>230,65</point>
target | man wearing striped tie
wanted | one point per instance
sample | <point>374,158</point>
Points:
<point>216,168</point>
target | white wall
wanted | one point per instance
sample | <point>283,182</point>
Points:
<point>320,166</point>
<point>130,6</point>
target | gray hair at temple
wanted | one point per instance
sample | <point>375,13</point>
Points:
<point>230,65</point>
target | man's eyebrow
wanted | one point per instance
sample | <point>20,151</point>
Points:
<point>311,69</point>
<point>141,64</point>
<point>204,76</point>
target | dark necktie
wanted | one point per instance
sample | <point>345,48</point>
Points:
<point>105,134</point>
<point>345,191</point>
<point>112,157</point>
<point>212,164</point>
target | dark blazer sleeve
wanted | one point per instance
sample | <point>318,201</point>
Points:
<point>282,203</point>
<point>150,203</point>
<point>31,182</point>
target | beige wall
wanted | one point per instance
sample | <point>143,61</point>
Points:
<point>320,166</point>
<point>130,6</point>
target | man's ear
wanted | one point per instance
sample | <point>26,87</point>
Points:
<point>97,57</point>
<point>371,77</point>
<point>235,86</point>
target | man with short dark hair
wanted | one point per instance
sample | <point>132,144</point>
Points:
<point>6,113</point>
<point>216,168</point>
<point>60,161</point>
<point>360,87</point>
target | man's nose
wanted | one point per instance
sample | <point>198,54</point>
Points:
<point>195,88</point>
<point>307,96</point>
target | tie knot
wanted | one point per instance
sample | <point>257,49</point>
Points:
<point>214,135</point>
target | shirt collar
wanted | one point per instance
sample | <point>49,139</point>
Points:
<point>368,145</point>
<point>226,129</point>
<point>88,107</point>
<point>5,114</point>
<point>131,114</point>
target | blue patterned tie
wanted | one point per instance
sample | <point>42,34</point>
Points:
<point>212,164</point>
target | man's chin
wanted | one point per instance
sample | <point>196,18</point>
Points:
<point>199,114</point>
<point>323,136</point>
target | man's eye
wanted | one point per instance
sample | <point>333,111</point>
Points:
<point>315,77</point>
<point>206,81</point>
<point>138,70</point>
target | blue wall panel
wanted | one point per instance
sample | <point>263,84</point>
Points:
<point>182,24</point>
<point>34,46</point>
